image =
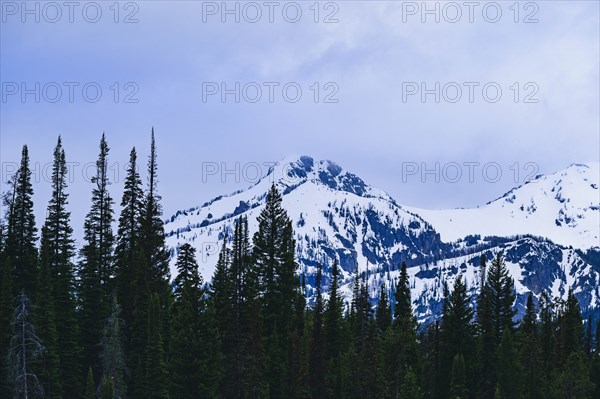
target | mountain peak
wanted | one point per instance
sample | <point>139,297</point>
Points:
<point>293,171</point>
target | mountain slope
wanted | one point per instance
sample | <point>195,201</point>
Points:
<point>338,215</point>
<point>564,207</point>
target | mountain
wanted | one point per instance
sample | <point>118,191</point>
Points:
<point>337,215</point>
<point>564,207</point>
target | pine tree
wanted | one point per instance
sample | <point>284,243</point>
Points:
<point>317,353</point>
<point>128,239</point>
<point>195,364</point>
<point>383,314</point>
<point>47,368</point>
<point>276,283</point>
<point>333,319</point>
<point>6,313</point>
<point>112,356</point>
<point>96,268</point>
<point>25,349</point>
<point>495,314</point>
<point>90,389</point>
<point>400,342</point>
<point>509,372</point>
<point>56,253</point>
<point>21,235</point>
<point>151,274</point>
<point>529,352</point>
<point>570,328</point>
<point>573,382</point>
<point>156,256</point>
<point>157,375</point>
<point>458,381</point>
<point>457,333</point>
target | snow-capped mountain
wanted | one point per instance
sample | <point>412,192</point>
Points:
<point>543,228</point>
<point>564,207</point>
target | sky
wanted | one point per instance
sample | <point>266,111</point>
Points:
<point>442,105</point>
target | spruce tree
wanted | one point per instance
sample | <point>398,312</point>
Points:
<point>22,233</point>
<point>24,351</point>
<point>113,359</point>
<point>317,353</point>
<point>383,314</point>
<point>333,325</point>
<point>509,370</point>
<point>128,240</point>
<point>400,342</point>
<point>90,388</point>
<point>195,354</point>
<point>458,381</point>
<point>96,267</point>
<point>529,352</point>
<point>56,253</point>
<point>156,372</point>
<point>47,368</point>
<point>457,333</point>
<point>6,313</point>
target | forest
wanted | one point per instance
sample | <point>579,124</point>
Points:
<point>108,320</point>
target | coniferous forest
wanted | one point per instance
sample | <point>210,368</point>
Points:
<point>108,320</point>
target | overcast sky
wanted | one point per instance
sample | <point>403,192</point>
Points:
<point>361,67</point>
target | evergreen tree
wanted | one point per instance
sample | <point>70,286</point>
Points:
<point>96,268</point>
<point>21,235</point>
<point>495,314</point>
<point>6,313</point>
<point>529,353</point>
<point>383,314</point>
<point>113,359</point>
<point>333,319</point>
<point>47,368</point>
<point>458,382</point>
<point>195,355</point>
<point>90,389</point>
<point>457,333</point>
<point>56,253</point>
<point>156,256</point>
<point>128,240</point>
<point>317,353</point>
<point>573,382</point>
<point>509,372</point>
<point>157,375</point>
<point>151,275</point>
<point>25,349</point>
<point>401,339</point>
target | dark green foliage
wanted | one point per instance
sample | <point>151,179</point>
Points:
<point>96,268</point>
<point>156,384</point>
<point>112,356</point>
<point>196,364</point>
<point>128,239</point>
<point>529,352</point>
<point>458,381</point>
<point>317,350</point>
<point>47,367</point>
<point>383,314</point>
<point>21,235</point>
<point>90,389</point>
<point>56,253</point>
<point>250,334</point>
<point>24,352</point>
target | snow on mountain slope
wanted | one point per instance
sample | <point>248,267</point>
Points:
<point>535,264</point>
<point>564,207</point>
<point>335,214</point>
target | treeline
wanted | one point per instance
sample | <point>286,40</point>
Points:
<point>108,321</point>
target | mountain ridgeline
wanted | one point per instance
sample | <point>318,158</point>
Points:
<point>310,284</point>
<point>337,215</point>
